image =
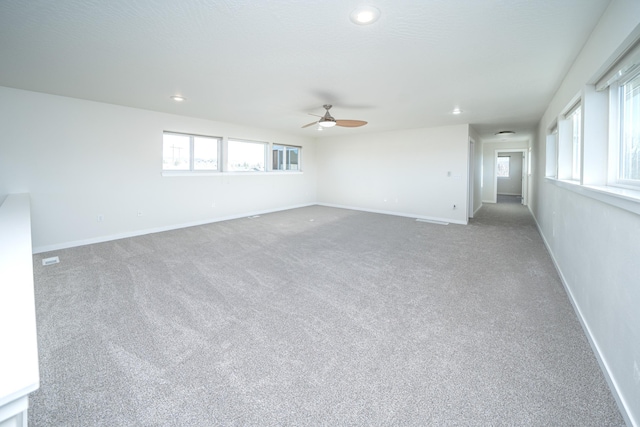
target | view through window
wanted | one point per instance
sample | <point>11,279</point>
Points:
<point>503,166</point>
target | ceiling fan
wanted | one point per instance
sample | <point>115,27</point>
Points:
<point>328,121</point>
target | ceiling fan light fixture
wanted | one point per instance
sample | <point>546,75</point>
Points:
<point>365,15</point>
<point>456,111</point>
<point>178,98</point>
<point>327,123</point>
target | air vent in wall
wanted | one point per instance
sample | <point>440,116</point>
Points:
<point>52,260</point>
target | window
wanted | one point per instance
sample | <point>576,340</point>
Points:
<point>185,154</point>
<point>182,152</point>
<point>246,156</point>
<point>598,140</point>
<point>575,118</point>
<point>285,158</point>
<point>503,166</point>
<point>629,168</point>
<point>551,165</point>
<point>569,143</point>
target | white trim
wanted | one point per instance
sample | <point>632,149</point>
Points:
<point>228,173</point>
<point>604,367</point>
<point>403,214</point>
<point>101,239</point>
<point>471,177</point>
<point>628,200</point>
<point>14,413</point>
<point>524,173</point>
<point>476,211</point>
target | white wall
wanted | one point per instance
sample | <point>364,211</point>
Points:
<point>79,159</point>
<point>489,164</point>
<point>596,246</point>
<point>513,184</point>
<point>19,352</point>
<point>416,172</point>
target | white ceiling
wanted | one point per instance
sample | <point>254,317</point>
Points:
<point>269,63</point>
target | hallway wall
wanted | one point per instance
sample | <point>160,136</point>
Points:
<point>595,243</point>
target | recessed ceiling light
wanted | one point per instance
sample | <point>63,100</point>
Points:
<point>178,98</point>
<point>365,15</point>
<point>456,111</point>
<point>505,133</point>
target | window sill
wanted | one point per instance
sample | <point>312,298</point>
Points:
<point>628,200</point>
<point>193,173</point>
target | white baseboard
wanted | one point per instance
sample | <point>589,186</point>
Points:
<point>407,215</point>
<point>510,194</point>
<point>134,233</point>
<point>108,238</point>
<point>604,367</point>
<point>476,211</point>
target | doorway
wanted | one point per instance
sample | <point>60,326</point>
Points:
<point>471,182</point>
<point>510,177</point>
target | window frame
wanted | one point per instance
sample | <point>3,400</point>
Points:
<point>286,155</point>
<point>574,116</point>
<point>192,170</point>
<point>616,133</point>
<point>222,152</point>
<point>565,141</point>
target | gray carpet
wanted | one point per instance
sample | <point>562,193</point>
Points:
<point>316,316</point>
<point>507,198</point>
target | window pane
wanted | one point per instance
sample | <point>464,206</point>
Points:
<point>292,158</point>
<point>205,153</point>
<point>278,158</point>
<point>503,167</point>
<point>576,125</point>
<point>175,152</point>
<point>630,131</point>
<point>246,156</point>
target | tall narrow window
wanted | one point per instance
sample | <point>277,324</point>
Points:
<point>629,171</point>
<point>503,166</point>
<point>285,157</point>
<point>575,117</point>
<point>246,156</point>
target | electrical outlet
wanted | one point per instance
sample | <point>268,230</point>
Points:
<point>139,213</point>
<point>100,218</point>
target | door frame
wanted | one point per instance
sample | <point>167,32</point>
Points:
<point>471,181</point>
<point>525,172</point>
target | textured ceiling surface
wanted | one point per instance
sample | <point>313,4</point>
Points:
<point>270,63</point>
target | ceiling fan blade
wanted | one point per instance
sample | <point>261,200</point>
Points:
<point>350,123</point>
<point>310,124</point>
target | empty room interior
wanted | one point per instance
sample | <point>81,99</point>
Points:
<point>355,212</point>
